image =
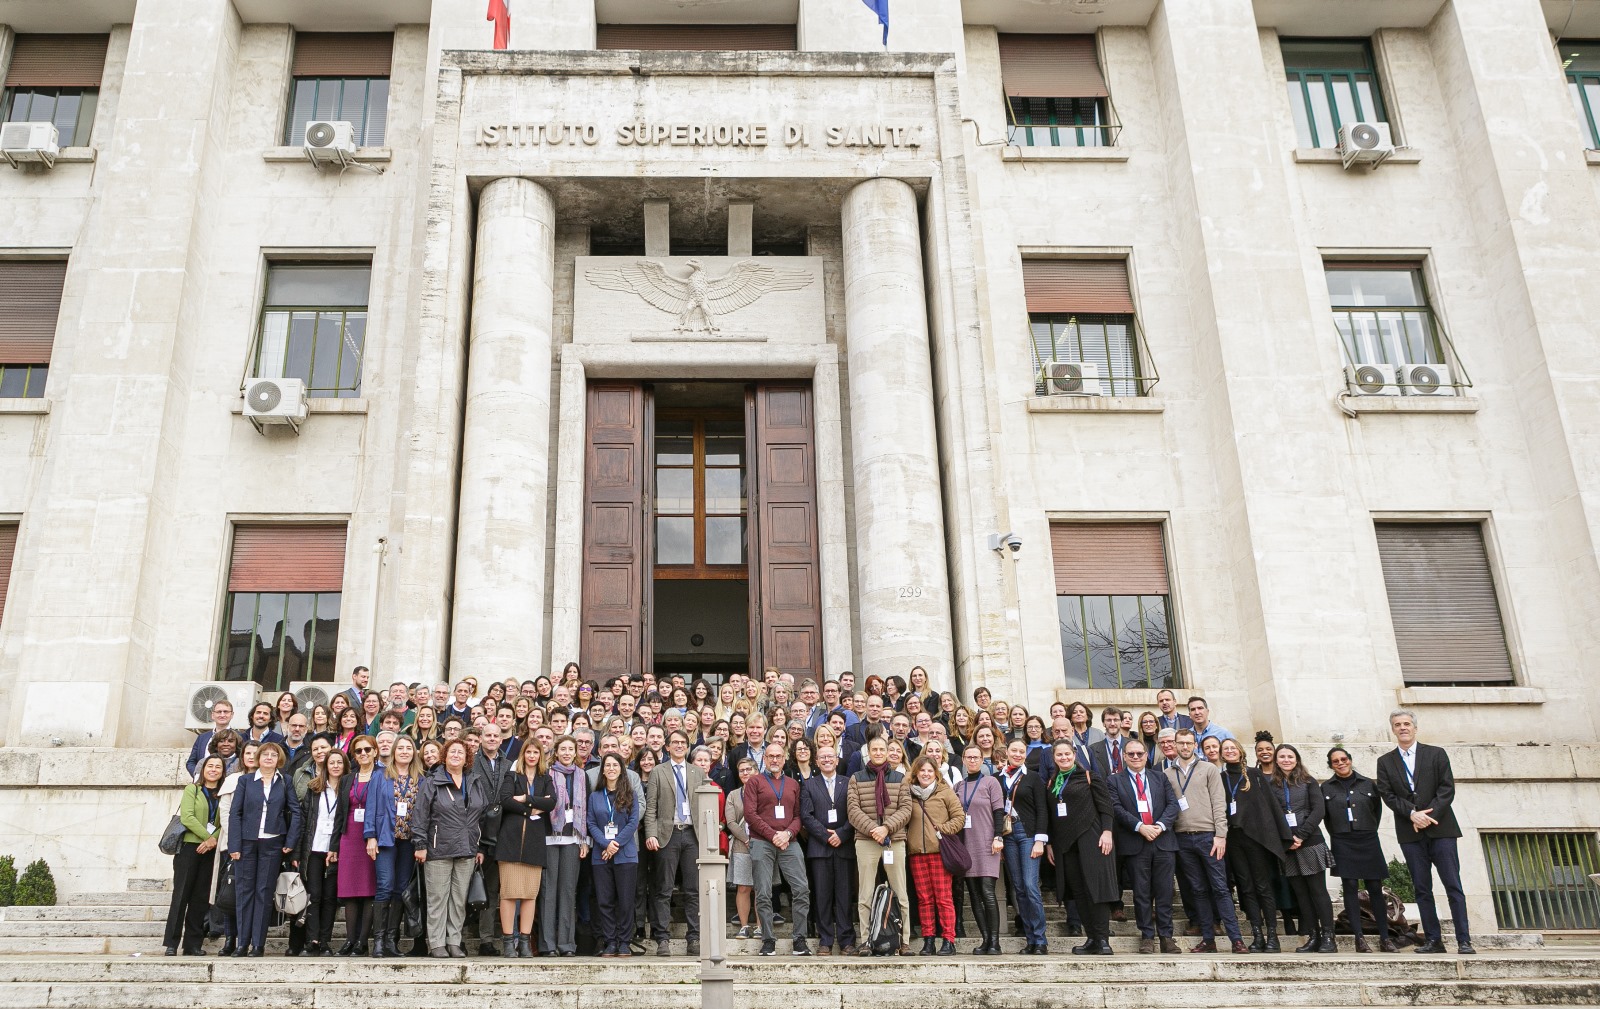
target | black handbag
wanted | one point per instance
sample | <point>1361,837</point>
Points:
<point>477,895</point>
<point>225,898</point>
<point>952,849</point>
<point>172,838</point>
<point>412,902</point>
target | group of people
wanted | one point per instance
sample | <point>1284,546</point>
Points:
<point>571,802</point>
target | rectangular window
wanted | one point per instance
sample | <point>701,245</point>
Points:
<point>342,77</point>
<point>1056,95</point>
<point>1540,881</point>
<point>701,502</point>
<point>1381,310</point>
<point>1080,311</point>
<point>705,38</point>
<point>55,79</point>
<point>282,620</point>
<point>8,550</point>
<point>1447,623</point>
<point>1332,82</point>
<point>1581,61</point>
<point>314,326</point>
<point>30,302</point>
<point>1114,605</point>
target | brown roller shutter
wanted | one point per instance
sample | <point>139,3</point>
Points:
<point>343,54</point>
<point>1441,596</point>
<point>1108,559</point>
<point>57,61</point>
<point>1077,285</point>
<point>738,38</point>
<point>1372,264</point>
<point>287,558</point>
<point>1051,66</point>
<point>30,301</point>
<point>8,550</point>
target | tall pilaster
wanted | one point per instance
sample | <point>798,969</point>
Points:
<point>498,625</point>
<point>902,581</point>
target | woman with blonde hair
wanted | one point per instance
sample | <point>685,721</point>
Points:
<point>526,798</point>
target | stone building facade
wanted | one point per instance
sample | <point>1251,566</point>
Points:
<point>848,267</point>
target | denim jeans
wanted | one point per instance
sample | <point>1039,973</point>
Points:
<point>1207,882</point>
<point>1023,872</point>
<point>395,866</point>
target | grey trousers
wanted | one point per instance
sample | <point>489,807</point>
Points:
<point>558,899</point>
<point>447,880</point>
<point>764,857</point>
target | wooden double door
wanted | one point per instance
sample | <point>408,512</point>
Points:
<point>664,509</point>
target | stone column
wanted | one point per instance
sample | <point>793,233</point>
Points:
<point>901,577</point>
<point>498,625</point>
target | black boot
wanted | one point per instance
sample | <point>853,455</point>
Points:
<point>380,914</point>
<point>1257,944</point>
<point>1311,941</point>
<point>991,917</point>
<point>228,948</point>
<point>365,927</point>
<point>928,946</point>
<point>1271,945</point>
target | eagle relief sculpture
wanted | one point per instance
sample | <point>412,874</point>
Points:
<point>698,299</point>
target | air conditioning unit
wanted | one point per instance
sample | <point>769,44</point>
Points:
<point>330,137</point>
<point>240,693</point>
<point>275,401</point>
<point>308,695</point>
<point>1072,378</point>
<point>1365,144</point>
<point>1426,380</point>
<point>29,143</point>
<point>1373,380</point>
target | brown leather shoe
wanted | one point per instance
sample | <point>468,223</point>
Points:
<point>906,950</point>
<point>1388,945</point>
<point>864,950</point>
<point>847,950</point>
<point>1119,915</point>
<point>1147,945</point>
<point>1204,946</point>
<point>1169,945</point>
<point>1239,947</point>
<point>1361,944</point>
<point>824,950</point>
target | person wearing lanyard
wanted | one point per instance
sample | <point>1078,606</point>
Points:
<point>1203,843</point>
<point>265,819</point>
<point>983,807</point>
<point>1308,856</point>
<point>1354,813</point>
<point>323,812</point>
<point>669,832</point>
<point>1416,782</point>
<point>1023,793</point>
<point>191,866</point>
<point>1146,810</point>
<point>565,848</point>
<point>830,851</point>
<point>526,798</point>
<point>879,807</point>
<point>1081,846</point>
<point>614,816</point>
<point>1257,837</point>
<point>358,868</point>
<point>772,811</point>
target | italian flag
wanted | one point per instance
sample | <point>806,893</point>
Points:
<point>500,14</point>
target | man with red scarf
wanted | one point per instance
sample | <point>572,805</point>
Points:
<point>879,807</point>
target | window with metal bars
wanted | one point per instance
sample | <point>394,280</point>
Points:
<point>70,109</point>
<point>363,102</point>
<point>278,638</point>
<point>1106,340</point>
<point>1059,122</point>
<point>1382,314</point>
<point>1540,880</point>
<point>1332,82</point>
<point>1581,62</point>
<point>314,326</point>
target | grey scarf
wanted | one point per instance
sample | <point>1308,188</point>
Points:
<point>923,791</point>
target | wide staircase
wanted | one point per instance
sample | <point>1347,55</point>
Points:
<point>104,949</point>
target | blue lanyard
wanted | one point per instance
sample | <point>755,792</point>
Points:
<point>611,816</point>
<point>777,786</point>
<point>683,786</point>
<point>1233,789</point>
<point>966,800</point>
<point>1286,807</point>
<point>1183,782</point>
<point>1411,779</point>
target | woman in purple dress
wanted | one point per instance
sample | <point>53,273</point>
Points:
<point>984,806</point>
<point>358,872</point>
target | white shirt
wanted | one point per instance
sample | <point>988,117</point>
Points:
<point>1409,759</point>
<point>680,772</point>
<point>266,803</point>
<point>323,839</point>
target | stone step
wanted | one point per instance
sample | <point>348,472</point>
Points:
<point>1034,983</point>
<point>73,912</point>
<point>117,898</point>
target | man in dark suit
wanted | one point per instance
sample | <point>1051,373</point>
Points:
<point>831,851</point>
<point>1145,812</point>
<point>221,717</point>
<point>490,768</point>
<point>356,692</point>
<point>1415,781</point>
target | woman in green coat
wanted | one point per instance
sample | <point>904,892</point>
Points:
<point>198,811</point>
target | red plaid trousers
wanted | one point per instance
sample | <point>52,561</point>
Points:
<point>933,896</point>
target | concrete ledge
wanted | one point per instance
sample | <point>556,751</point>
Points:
<point>1095,404</point>
<point>1591,157</point>
<point>73,156</point>
<point>1328,156</point>
<point>1470,695</point>
<point>32,407</point>
<point>634,62</point>
<point>91,767</point>
<point>320,405</point>
<point>1012,152</point>
<point>279,155</point>
<point>1412,404</point>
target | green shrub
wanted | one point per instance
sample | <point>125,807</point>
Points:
<point>1399,881</point>
<point>36,887</point>
<point>8,881</point>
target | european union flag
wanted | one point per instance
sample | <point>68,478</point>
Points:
<point>881,8</point>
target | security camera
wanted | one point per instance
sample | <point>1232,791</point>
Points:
<point>1005,541</point>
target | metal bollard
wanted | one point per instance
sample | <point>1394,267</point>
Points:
<point>716,978</point>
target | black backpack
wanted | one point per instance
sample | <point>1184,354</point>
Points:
<point>883,927</point>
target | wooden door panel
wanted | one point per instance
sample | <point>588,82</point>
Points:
<point>613,532</point>
<point>787,557</point>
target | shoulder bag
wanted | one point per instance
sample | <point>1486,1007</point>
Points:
<point>957,860</point>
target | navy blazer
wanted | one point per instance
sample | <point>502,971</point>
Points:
<point>244,817</point>
<point>1125,812</point>
<point>814,806</point>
